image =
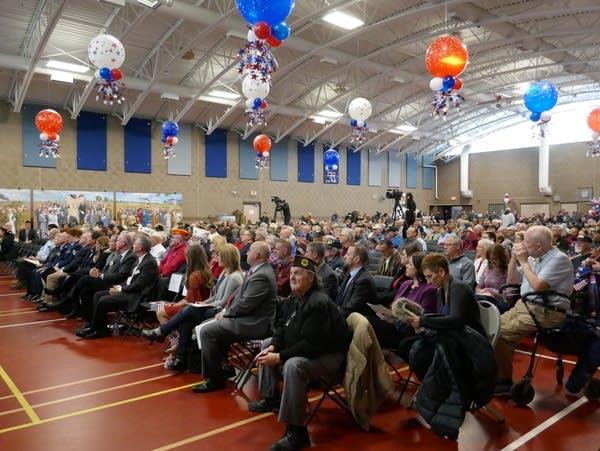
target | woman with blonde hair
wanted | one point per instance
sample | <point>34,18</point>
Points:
<point>192,315</point>
<point>216,243</point>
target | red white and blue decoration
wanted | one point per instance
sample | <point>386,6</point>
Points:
<point>540,98</point>
<point>593,121</point>
<point>257,64</point>
<point>446,58</point>
<point>49,123</point>
<point>359,110</point>
<point>262,147</point>
<point>107,54</point>
<point>331,166</point>
<point>170,129</point>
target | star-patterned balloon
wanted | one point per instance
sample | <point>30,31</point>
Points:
<point>106,51</point>
<point>360,109</point>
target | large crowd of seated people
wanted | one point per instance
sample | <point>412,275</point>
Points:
<point>293,286</point>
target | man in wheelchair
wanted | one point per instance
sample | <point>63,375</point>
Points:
<point>542,268</point>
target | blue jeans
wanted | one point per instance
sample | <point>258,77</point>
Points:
<point>185,320</point>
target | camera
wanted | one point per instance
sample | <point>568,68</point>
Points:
<point>395,194</point>
<point>278,202</point>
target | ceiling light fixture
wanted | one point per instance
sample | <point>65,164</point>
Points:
<point>405,128</point>
<point>70,67</point>
<point>57,75</point>
<point>150,3</point>
<point>114,2</point>
<point>342,20</point>
<point>329,113</point>
<point>224,94</point>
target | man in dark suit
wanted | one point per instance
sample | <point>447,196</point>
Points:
<point>358,286</point>
<point>316,251</point>
<point>142,281</point>
<point>28,234</point>
<point>247,318</point>
<point>116,270</point>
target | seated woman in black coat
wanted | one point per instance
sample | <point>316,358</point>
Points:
<point>7,247</point>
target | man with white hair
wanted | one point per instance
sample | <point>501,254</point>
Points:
<point>542,268</point>
<point>157,250</point>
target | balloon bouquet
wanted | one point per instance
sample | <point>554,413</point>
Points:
<point>446,58</point>
<point>331,159</point>
<point>49,123</point>
<point>262,146</point>
<point>360,110</point>
<point>257,64</point>
<point>107,53</point>
<point>170,129</point>
<point>593,122</point>
<point>540,98</point>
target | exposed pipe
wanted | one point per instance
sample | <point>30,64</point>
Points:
<point>435,170</point>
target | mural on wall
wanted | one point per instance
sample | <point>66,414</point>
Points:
<point>15,207</point>
<point>71,207</point>
<point>149,209</point>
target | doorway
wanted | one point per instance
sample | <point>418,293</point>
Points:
<point>251,211</point>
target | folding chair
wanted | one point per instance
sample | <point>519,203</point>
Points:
<point>242,356</point>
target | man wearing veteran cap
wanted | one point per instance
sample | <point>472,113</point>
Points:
<point>310,341</point>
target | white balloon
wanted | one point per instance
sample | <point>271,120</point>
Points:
<point>595,136</point>
<point>249,103</point>
<point>251,36</point>
<point>175,140</point>
<point>57,139</point>
<point>334,167</point>
<point>360,124</point>
<point>106,51</point>
<point>436,83</point>
<point>44,136</point>
<point>360,109</point>
<point>254,88</point>
<point>546,116</point>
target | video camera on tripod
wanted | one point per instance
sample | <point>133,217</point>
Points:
<point>283,207</point>
<point>279,202</point>
<point>397,196</point>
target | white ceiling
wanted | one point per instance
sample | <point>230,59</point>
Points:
<point>320,66</point>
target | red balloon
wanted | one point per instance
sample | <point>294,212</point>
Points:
<point>446,56</point>
<point>593,120</point>
<point>263,105</point>
<point>116,74</point>
<point>262,143</point>
<point>169,140</point>
<point>262,30</point>
<point>52,136</point>
<point>273,42</point>
<point>48,121</point>
<point>458,83</point>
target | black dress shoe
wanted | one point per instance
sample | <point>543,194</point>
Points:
<point>45,308</point>
<point>83,331</point>
<point>51,292</point>
<point>295,439</point>
<point>72,314</point>
<point>35,298</point>
<point>151,335</point>
<point>265,405</point>
<point>98,334</point>
<point>26,296</point>
<point>207,386</point>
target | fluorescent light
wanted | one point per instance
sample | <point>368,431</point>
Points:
<point>329,60</point>
<point>169,96</point>
<point>319,120</point>
<point>224,94</point>
<point>342,20</point>
<point>57,75</point>
<point>405,128</point>
<point>114,2</point>
<point>79,68</point>
<point>149,3</point>
<point>329,113</point>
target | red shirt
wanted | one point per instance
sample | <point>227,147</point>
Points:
<point>173,259</point>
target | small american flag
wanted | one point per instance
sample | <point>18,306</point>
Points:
<point>578,286</point>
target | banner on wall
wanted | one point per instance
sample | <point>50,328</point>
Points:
<point>331,167</point>
<point>15,207</point>
<point>149,209</point>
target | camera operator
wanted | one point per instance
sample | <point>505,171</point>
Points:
<point>282,206</point>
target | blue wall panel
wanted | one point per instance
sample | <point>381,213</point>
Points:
<point>376,168</point>
<point>394,169</point>
<point>215,163</point>
<point>411,171</point>
<point>279,161</point>
<point>138,146</point>
<point>248,159</point>
<point>353,167</point>
<point>31,139</point>
<point>91,141</point>
<point>306,163</point>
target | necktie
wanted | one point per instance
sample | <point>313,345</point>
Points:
<point>340,297</point>
<point>385,266</point>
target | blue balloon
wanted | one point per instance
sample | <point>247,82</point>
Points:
<point>353,122</point>
<point>541,96</point>
<point>105,73</point>
<point>280,31</point>
<point>270,11</point>
<point>257,103</point>
<point>169,128</point>
<point>331,157</point>
<point>448,83</point>
<point>535,116</point>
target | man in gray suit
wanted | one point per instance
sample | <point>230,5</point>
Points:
<point>247,318</point>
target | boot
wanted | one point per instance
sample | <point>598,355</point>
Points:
<point>295,439</point>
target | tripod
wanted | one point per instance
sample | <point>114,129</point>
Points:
<point>397,212</point>
<point>279,211</point>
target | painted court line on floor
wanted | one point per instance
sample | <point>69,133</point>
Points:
<point>545,425</point>
<point>13,294</point>
<point>19,396</point>
<point>88,394</point>
<point>22,312</point>
<point>33,323</point>
<point>83,381</point>
<point>547,357</point>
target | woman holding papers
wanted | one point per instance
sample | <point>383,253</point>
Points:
<point>193,314</point>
